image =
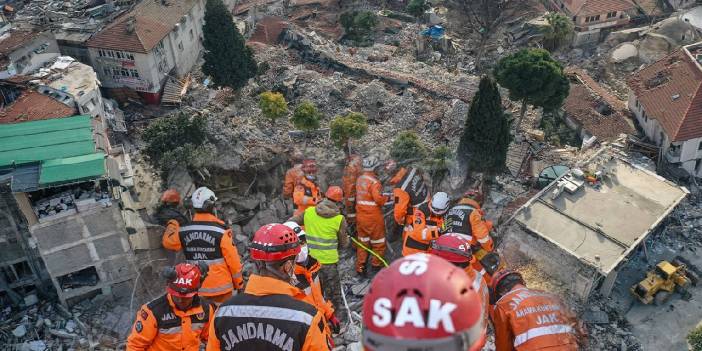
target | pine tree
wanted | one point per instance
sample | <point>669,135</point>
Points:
<point>486,137</point>
<point>353,125</point>
<point>227,59</point>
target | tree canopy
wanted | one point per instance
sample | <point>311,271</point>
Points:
<point>407,147</point>
<point>306,117</point>
<point>558,30</point>
<point>353,125</point>
<point>358,25</point>
<point>178,139</point>
<point>228,61</point>
<point>273,105</point>
<point>417,8</point>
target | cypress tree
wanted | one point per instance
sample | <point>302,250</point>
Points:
<point>227,59</point>
<point>486,137</point>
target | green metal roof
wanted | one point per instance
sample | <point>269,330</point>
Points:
<point>64,147</point>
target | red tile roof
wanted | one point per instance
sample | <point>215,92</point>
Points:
<point>669,91</point>
<point>33,106</point>
<point>582,103</point>
<point>152,20</point>
<point>598,7</point>
<point>15,39</point>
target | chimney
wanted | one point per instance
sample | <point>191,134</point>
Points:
<point>131,22</point>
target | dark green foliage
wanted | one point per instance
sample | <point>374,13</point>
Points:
<point>227,59</point>
<point>533,77</point>
<point>557,132</point>
<point>407,147</point>
<point>306,117</point>
<point>175,140</point>
<point>359,25</point>
<point>559,28</point>
<point>416,8</point>
<point>272,105</point>
<point>344,128</point>
<point>694,338</point>
<point>486,137</point>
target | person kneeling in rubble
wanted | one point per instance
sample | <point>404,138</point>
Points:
<point>178,320</point>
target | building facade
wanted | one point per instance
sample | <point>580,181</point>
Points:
<point>22,52</point>
<point>145,46</point>
<point>666,99</point>
<point>593,17</point>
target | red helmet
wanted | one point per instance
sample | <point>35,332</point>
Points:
<point>453,248</point>
<point>500,276</point>
<point>170,196</point>
<point>274,242</point>
<point>334,193</point>
<point>423,302</point>
<point>184,280</point>
<point>309,166</point>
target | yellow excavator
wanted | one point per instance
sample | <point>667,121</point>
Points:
<point>664,279</point>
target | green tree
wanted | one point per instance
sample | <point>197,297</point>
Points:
<point>345,128</point>
<point>417,8</point>
<point>694,338</point>
<point>558,30</point>
<point>306,117</point>
<point>358,25</point>
<point>438,164</point>
<point>273,105</point>
<point>227,59</point>
<point>407,147</point>
<point>486,136</point>
<point>174,140</point>
<point>533,77</point>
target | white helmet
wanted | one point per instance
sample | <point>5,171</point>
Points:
<point>201,196</point>
<point>297,229</point>
<point>439,203</point>
<point>370,163</point>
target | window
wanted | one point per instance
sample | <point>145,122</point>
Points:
<point>134,73</point>
<point>191,34</point>
<point>130,56</point>
<point>118,54</point>
<point>699,147</point>
<point>698,163</point>
<point>107,72</point>
<point>180,46</point>
<point>612,14</point>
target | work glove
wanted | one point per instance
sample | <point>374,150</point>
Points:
<point>334,324</point>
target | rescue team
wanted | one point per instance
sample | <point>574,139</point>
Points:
<point>441,295</point>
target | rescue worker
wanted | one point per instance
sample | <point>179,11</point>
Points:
<point>456,249</point>
<point>178,320</point>
<point>293,175</point>
<point>206,238</point>
<point>271,313</point>
<point>425,224</point>
<point>466,218</point>
<point>169,208</point>
<point>325,229</point>
<point>306,192</point>
<point>409,191</point>
<point>529,320</point>
<point>352,170</point>
<point>307,276</point>
<point>422,302</point>
<point>370,225</point>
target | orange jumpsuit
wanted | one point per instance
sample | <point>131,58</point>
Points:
<point>420,230</point>
<point>160,326</point>
<point>269,315</point>
<point>481,287</point>
<point>410,192</point>
<point>292,177</point>
<point>369,218</point>
<point>207,239</point>
<point>308,282</point>
<point>466,218</point>
<point>530,320</point>
<point>306,194</point>
<point>352,171</point>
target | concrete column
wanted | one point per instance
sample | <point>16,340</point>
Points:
<point>608,283</point>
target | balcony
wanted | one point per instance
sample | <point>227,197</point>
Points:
<point>673,155</point>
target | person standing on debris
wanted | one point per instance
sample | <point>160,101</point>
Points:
<point>422,302</point>
<point>352,170</point>
<point>529,320</point>
<point>178,320</point>
<point>456,249</point>
<point>424,224</point>
<point>370,225</point>
<point>326,234</point>
<point>409,191</point>
<point>293,175</point>
<point>169,208</point>
<point>306,192</point>
<point>307,270</point>
<point>271,313</point>
<point>207,238</point>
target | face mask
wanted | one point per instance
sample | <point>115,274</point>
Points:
<point>302,256</point>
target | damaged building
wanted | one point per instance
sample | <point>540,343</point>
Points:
<point>593,19</point>
<point>23,51</point>
<point>582,227</point>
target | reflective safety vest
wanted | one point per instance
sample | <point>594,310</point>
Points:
<point>322,237</point>
<point>420,231</point>
<point>201,241</point>
<point>414,185</point>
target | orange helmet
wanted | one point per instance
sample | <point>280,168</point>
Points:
<point>170,196</point>
<point>334,193</point>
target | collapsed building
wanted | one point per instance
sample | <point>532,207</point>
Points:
<point>583,226</point>
<point>23,51</point>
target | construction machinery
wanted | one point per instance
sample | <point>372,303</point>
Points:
<point>665,279</point>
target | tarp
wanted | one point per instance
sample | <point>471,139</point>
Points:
<point>72,169</point>
<point>435,32</point>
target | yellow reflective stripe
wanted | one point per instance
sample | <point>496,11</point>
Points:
<point>484,240</point>
<point>379,241</point>
<point>221,288</point>
<point>542,331</point>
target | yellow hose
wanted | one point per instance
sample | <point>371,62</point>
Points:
<point>369,250</point>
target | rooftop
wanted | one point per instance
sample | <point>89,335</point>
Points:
<point>594,108</point>
<point>601,225</point>
<point>33,106</point>
<point>140,29</point>
<point>69,76</point>
<point>669,91</point>
<point>599,7</point>
<point>63,147</point>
